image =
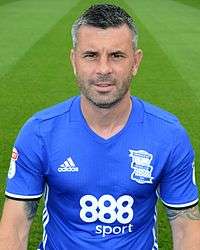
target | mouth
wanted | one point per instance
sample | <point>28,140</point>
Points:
<point>103,87</point>
<point>103,84</point>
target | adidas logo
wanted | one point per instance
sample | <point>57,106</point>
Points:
<point>68,166</point>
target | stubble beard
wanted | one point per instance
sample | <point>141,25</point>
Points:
<point>104,100</point>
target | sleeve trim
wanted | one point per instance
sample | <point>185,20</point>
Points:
<point>17,196</point>
<point>192,203</point>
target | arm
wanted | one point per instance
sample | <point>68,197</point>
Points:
<point>185,224</point>
<point>15,223</point>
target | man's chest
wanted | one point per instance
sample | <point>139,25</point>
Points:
<point>112,182</point>
<point>79,165</point>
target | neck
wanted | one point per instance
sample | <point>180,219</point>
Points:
<point>106,122</point>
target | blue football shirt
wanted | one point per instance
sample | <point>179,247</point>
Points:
<point>102,193</point>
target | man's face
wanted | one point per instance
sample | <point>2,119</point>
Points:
<point>104,63</point>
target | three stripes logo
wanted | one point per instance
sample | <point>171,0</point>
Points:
<point>68,166</point>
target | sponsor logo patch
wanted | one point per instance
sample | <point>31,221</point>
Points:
<point>193,173</point>
<point>12,168</point>
<point>141,165</point>
<point>15,154</point>
<point>68,166</point>
<point>108,210</point>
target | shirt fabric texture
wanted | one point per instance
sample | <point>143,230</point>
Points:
<point>102,193</point>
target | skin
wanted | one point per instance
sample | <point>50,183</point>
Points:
<point>15,223</point>
<point>104,65</point>
<point>185,225</point>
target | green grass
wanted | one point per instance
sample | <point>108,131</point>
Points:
<point>35,71</point>
<point>2,2</point>
<point>23,23</point>
<point>192,3</point>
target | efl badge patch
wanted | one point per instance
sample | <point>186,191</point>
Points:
<point>12,169</point>
<point>141,165</point>
<point>193,173</point>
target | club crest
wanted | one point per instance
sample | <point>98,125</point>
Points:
<point>141,165</point>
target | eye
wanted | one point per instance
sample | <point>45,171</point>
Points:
<point>90,56</point>
<point>117,56</point>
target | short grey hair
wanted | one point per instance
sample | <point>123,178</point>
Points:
<point>105,16</point>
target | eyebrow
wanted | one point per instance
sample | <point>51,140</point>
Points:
<point>96,52</point>
<point>118,52</point>
<point>90,51</point>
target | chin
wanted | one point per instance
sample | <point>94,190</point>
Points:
<point>105,105</point>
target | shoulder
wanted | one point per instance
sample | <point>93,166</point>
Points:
<point>158,114</point>
<point>54,111</point>
<point>161,124</point>
<point>45,118</point>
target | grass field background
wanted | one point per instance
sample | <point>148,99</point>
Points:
<point>35,71</point>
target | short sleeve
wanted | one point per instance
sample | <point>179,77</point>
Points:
<point>178,188</point>
<point>25,175</point>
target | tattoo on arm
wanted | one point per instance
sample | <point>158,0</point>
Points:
<point>31,208</point>
<point>191,213</point>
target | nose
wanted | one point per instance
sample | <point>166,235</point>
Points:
<point>104,66</point>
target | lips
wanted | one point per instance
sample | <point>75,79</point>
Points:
<point>103,87</point>
<point>103,84</point>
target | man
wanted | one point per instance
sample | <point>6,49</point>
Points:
<point>102,158</point>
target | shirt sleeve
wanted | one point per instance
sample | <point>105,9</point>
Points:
<point>178,187</point>
<point>25,175</point>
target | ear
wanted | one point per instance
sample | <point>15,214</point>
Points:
<point>138,54</point>
<point>72,59</point>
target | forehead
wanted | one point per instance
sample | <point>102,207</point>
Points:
<point>113,37</point>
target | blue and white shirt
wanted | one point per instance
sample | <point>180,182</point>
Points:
<point>102,193</point>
